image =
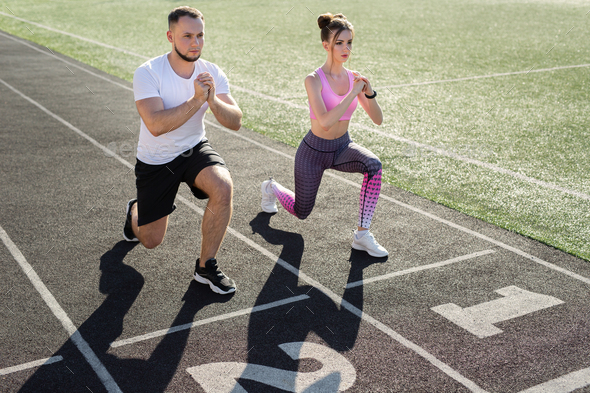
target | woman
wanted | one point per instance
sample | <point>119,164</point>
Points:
<point>333,93</point>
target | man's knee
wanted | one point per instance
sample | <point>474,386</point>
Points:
<point>151,242</point>
<point>222,193</point>
<point>151,235</point>
<point>226,191</point>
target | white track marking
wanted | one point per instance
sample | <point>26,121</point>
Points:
<point>77,338</point>
<point>107,152</point>
<point>468,78</point>
<point>100,370</point>
<point>479,319</point>
<point>397,138</point>
<point>424,213</point>
<point>173,329</point>
<point>419,268</point>
<point>26,366</point>
<point>75,36</point>
<point>336,375</point>
<point>564,384</point>
<point>491,240</point>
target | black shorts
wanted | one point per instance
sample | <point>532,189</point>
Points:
<point>157,185</point>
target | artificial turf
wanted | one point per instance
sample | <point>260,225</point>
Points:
<point>534,123</point>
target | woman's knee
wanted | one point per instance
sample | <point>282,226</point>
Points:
<point>302,214</point>
<point>374,166</point>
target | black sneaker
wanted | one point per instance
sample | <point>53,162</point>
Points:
<point>127,229</point>
<point>210,274</point>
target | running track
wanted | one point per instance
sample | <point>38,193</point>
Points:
<point>459,305</point>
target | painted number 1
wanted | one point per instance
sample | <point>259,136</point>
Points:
<point>479,319</point>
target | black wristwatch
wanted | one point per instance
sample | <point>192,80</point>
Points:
<point>373,96</point>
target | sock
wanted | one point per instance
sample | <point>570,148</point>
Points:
<point>360,234</point>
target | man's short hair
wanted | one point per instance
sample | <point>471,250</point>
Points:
<point>178,12</point>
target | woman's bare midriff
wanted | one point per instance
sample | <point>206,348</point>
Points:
<point>335,132</point>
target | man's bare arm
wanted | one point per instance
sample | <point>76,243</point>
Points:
<point>226,111</point>
<point>160,121</point>
<point>223,106</point>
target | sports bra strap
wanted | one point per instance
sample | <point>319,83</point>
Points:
<point>323,77</point>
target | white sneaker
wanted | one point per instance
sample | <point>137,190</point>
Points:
<point>269,200</point>
<point>369,244</point>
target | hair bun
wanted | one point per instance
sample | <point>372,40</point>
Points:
<point>324,20</point>
<point>339,16</point>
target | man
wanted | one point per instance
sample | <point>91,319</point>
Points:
<point>172,93</point>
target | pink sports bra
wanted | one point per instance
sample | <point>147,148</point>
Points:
<point>331,99</point>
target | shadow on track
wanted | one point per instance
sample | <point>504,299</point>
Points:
<point>122,284</point>
<point>318,320</point>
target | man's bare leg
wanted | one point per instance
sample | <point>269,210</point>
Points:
<point>216,182</point>
<point>150,235</point>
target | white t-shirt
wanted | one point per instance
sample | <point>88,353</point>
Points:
<point>156,78</point>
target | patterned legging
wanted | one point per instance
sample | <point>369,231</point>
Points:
<point>313,157</point>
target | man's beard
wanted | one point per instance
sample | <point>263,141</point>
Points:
<point>183,57</point>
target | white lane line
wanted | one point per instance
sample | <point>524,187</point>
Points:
<point>26,366</point>
<point>419,350</point>
<point>422,212</point>
<point>567,383</point>
<point>75,36</point>
<point>106,151</point>
<point>468,78</point>
<point>275,259</point>
<point>419,268</point>
<point>397,138</point>
<point>52,55</point>
<point>100,370</point>
<point>245,311</point>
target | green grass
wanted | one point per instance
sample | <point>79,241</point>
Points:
<point>535,124</point>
